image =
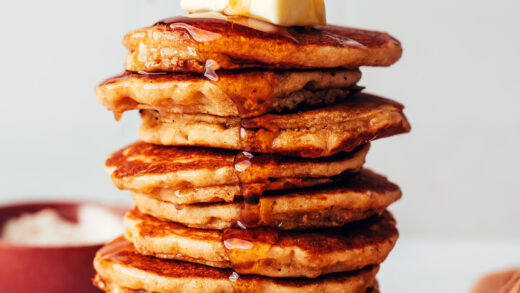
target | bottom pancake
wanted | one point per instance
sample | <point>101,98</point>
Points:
<point>351,198</point>
<point>119,266</point>
<point>113,288</point>
<point>267,252</point>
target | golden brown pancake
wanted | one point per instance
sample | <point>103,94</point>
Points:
<point>374,288</point>
<point>118,265</point>
<point>185,175</point>
<point>112,288</point>
<point>266,251</point>
<point>318,132</point>
<point>241,94</point>
<point>184,44</point>
<point>351,198</point>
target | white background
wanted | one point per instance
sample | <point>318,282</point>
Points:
<point>458,78</point>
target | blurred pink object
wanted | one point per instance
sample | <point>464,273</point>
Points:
<point>501,282</point>
<point>62,269</point>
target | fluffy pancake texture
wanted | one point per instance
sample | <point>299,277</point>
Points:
<point>184,44</point>
<point>114,288</point>
<point>267,252</point>
<point>240,93</point>
<point>118,265</point>
<point>318,132</point>
<point>353,197</point>
<point>184,175</point>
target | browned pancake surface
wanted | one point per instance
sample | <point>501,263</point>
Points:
<point>377,229</point>
<point>143,158</point>
<point>157,159</point>
<point>186,44</point>
<point>317,132</point>
<point>352,197</point>
<point>242,93</point>
<point>118,261</point>
<point>186,175</point>
<point>110,287</point>
<point>267,251</point>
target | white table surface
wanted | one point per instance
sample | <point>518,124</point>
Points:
<point>443,265</point>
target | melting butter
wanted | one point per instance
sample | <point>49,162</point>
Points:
<point>279,12</point>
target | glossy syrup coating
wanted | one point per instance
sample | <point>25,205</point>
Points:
<point>310,132</point>
<point>187,44</point>
<point>267,251</point>
<point>330,205</point>
<point>240,93</point>
<point>149,168</point>
<point>119,263</point>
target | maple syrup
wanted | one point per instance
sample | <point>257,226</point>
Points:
<point>206,24</point>
<point>251,193</point>
<point>210,70</point>
<point>197,34</point>
<point>245,248</point>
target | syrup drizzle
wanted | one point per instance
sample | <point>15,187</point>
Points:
<point>197,34</point>
<point>210,70</point>
<point>202,35</point>
<point>246,249</point>
<point>234,277</point>
<point>251,193</point>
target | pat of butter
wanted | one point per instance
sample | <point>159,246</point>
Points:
<point>279,12</point>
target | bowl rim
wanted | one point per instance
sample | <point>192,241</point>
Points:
<point>4,245</point>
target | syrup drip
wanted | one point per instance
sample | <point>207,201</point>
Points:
<point>210,70</point>
<point>234,277</point>
<point>247,249</point>
<point>251,193</point>
<point>197,34</point>
<point>259,140</point>
<point>118,115</point>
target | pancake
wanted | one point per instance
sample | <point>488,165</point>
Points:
<point>118,266</point>
<point>354,197</point>
<point>240,94</point>
<point>112,288</point>
<point>319,132</point>
<point>267,252</point>
<point>185,175</point>
<point>374,288</point>
<point>188,44</point>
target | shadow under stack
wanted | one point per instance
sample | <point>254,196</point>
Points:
<point>249,176</point>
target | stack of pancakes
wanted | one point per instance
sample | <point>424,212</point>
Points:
<point>249,176</point>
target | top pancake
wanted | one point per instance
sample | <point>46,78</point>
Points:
<point>188,44</point>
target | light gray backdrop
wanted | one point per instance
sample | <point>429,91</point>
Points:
<point>458,78</point>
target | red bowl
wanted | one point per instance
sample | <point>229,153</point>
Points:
<point>29,269</point>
